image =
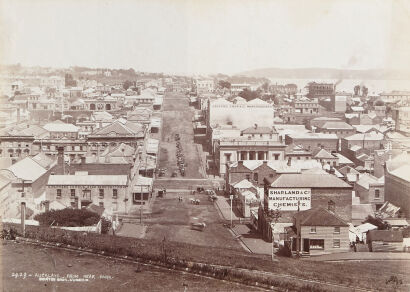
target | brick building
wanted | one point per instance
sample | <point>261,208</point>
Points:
<point>78,191</point>
<point>292,192</point>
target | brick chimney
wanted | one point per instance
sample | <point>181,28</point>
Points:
<point>60,156</point>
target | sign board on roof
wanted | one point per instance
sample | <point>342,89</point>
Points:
<point>288,199</point>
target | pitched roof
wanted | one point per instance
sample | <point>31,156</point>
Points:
<point>89,180</point>
<point>27,169</point>
<point>59,126</point>
<point>45,161</point>
<point>319,217</point>
<point>343,159</point>
<point>243,184</point>
<point>304,180</point>
<point>385,235</point>
<point>365,136</point>
<point>120,128</point>
<point>323,154</point>
<point>258,130</point>
<point>337,125</point>
<point>366,180</point>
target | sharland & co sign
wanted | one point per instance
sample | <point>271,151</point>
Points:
<point>288,199</point>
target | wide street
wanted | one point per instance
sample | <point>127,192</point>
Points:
<point>177,119</point>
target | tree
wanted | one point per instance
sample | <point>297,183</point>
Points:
<point>357,90</point>
<point>126,84</point>
<point>249,94</point>
<point>224,84</point>
<point>381,225</point>
<point>365,91</point>
<point>265,86</point>
<point>69,80</point>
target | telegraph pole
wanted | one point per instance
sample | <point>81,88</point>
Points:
<point>231,197</point>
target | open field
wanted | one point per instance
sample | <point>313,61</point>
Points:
<point>367,275</point>
<point>171,218</point>
<point>119,275</point>
<point>177,118</point>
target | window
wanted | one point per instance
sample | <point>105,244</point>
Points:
<point>336,230</point>
<point>336,243</point>
<point>72,193</point>
<point>312,229</point>
<point>114,193</point>
<point>317,244</point>
<point>270,174</point>
<point>101,204</point>
<point>276,156</point>
<point>101,193</point>
<point>248,177</point>
<point>377,194</point>
<point>58,193</point>
<point>255,176</point>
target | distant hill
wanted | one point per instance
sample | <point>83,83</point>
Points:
<point>327,73</point>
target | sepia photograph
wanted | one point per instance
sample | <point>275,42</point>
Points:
<point>231,145</point>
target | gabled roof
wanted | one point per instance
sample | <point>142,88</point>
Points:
<point>102,116</point>
<point>120,128</point>
<point>336,126</point>
<point>366,180</point>
<point>33,130</point>
<point>243,184</point>
<point>343,159</point>
<point>27,169</point>
<point>45,161</point>
<point>319,217</point>
<point>323,154</point>
<point>122,150</point>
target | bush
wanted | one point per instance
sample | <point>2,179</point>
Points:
<point>68,217</point>
<point>105,225</point>
<point>284,251</point>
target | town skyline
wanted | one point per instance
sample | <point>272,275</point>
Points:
<point>178,37</point>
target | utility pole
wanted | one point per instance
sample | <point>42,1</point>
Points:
<point>141,206</point>
<point>231,198</point>
<point>23,218</point>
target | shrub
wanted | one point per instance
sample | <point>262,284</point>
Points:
<point>105,225</point>
<point>284,251</point>
<point>68,217</point>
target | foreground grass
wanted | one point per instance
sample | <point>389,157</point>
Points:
<point>369,275</point>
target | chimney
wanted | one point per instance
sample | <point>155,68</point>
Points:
<point>60,156</point>
<point>256,126</point>
<point>357,176</point>
<point>289,161</point>
<point>331,206</point>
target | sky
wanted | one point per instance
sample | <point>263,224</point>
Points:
<point>203,37</point>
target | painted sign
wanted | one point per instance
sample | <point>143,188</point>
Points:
<point>289,199</point>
